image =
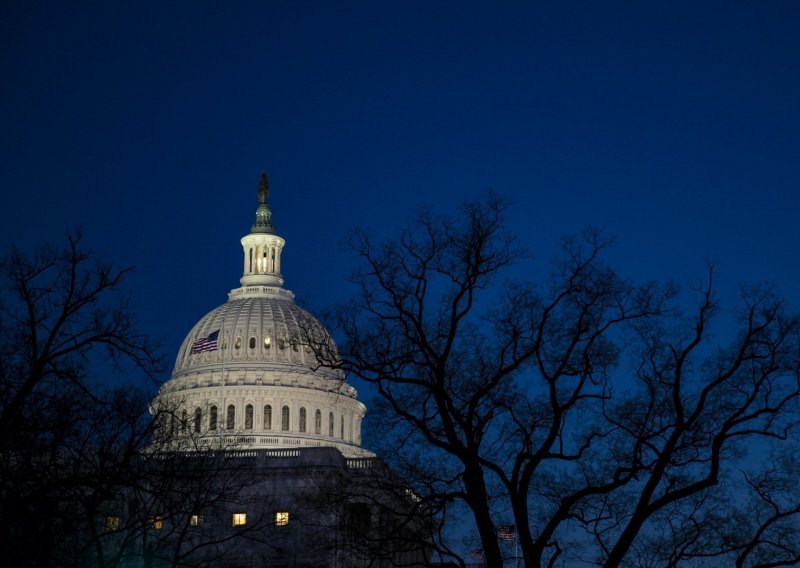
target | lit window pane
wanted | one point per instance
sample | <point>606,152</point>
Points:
<point>239,519</point>
<point>196,520</point>
<point>112,523</point>
<point>282,518</point>
<point>156,522</point>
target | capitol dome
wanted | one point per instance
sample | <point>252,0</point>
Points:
<point>251,373</point>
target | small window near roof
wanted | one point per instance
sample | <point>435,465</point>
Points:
<point>156,522</point>
<point>112,523</point>
<point>196,520</point>
<point>281,518</point>
<point>239,519</point>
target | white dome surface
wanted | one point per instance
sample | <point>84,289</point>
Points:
<point>263,329</point>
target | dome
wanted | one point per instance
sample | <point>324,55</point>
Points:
<point>265,329</point>
<point>250,373</point>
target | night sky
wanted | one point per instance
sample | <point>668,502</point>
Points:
<point>674,126</point>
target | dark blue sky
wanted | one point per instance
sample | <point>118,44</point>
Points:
<point>673,125</point>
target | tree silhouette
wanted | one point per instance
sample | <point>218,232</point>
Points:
<point>601,417</point>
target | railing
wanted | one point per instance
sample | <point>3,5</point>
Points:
<point>360,463</point>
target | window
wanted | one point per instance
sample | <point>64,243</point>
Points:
<point>196,520</point>
<point>285,418</point>
<point>112,523</point>
<point>239,519</point>
<point>238,343</point>
<point>212,418</point>
<point>198,417</point>
<point>248,417</point>
<point>156,522</point>
<point>341,428</point>
<point>281,518</point>
<point>267,417</point>
<point>252,343</point>
<point>330,424</point>
<point>267,342</point>
<point>317,422</point>
<point>184,422</point>
<point>230,419</point>
<point>302,423</point>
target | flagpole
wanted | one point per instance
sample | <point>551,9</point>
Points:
<point>223,423</point>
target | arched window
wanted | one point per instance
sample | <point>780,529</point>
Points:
<point>317,422</point>
<point>267,417</point>
<point>212,418</point>
<point>302,420</point>
<point>330,424</point>
<point>248,417</point>
<point>252,343</point>
<point>184,422</point>
<point>230,420</point>
<point>285,418</point>
<point>341,428</point>
<point>198,417</point>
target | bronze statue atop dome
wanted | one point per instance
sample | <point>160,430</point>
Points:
<point>263,188</point>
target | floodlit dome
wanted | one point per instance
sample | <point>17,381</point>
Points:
<point>251,374</point>
<point>259,327</point>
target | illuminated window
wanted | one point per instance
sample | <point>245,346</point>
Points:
<point>238,343</point>
<point>285,418</point>
<point>156,522</point>
<point>267,342</point>
<point>196,520</point>
<point>239,519</point>
<point>302,420</point>
<point>230,418</point>
<point>112,523</point>
<point>281,518</point>
<point>317,422</point>
<point>212,418</point>
<point>267,417</point>
<point>248,417</point>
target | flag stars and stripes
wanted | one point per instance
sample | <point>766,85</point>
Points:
<point>206,343</point>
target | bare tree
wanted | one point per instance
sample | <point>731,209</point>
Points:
<point>513,398</point>
<point>62,433</point>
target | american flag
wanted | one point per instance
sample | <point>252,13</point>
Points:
<point>207,343</point>
<point>506,532</point>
